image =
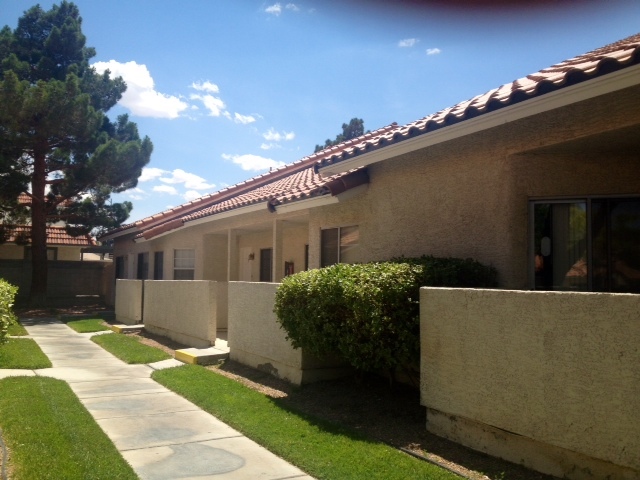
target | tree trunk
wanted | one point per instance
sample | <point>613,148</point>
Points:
<point>39,267</point>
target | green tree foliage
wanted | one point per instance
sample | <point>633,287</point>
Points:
<point>57,145</point>
<point>369,314</point>
<point>353,129</point>
<point>7,296</point>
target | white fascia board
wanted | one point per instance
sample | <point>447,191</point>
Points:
<point>212,218</point>
<point>612,82</point>
<point>306,203</point>
<point>321,201</point>
<point>121,233</point>
<point>257,207</point>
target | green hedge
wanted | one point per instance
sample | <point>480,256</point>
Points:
<point>369,313</point>
<point>7,296</point>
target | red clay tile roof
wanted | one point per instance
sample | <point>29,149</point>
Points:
<point>295,180</point>
<point>55,236</point>
<point>601,61</point>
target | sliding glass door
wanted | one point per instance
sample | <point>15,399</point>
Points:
<point>590,244</point>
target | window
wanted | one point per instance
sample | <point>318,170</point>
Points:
<point>588,244</point>
<point>339,245</point>
<point>266,263</point>
<point>184,264</point>
<point>158,265</point>
<point>143,266</point>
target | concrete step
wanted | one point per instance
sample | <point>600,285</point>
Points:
<point>201,356</point>
<point>127,328</point>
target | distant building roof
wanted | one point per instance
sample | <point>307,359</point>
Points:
<point>55,236</point>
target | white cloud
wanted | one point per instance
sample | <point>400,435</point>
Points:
<point>190,180</point>
<point>269,146</point>
<point>244,119</point>
<point>275,9</point>
<point>133,196</point>
<point>150,173</point>
<point>433,51</point>
<point>205,87</point>
<point>165,189</point>
<point>253,162</point>
<point>215,105</point>
<point>274,136</point>
<point>408,42</point>
<point>141,97</point>
<point>191,195</point>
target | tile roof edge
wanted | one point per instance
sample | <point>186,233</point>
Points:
<point>152,222</point>
<point>606,64</point>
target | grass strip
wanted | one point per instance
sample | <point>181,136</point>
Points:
<point>88,325</point>
<point>22,353</point>
<point>129,349</point>
<point>52,436</point>
<point>322,449</point>
<point>17,330</point>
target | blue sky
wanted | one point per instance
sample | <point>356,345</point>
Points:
<point>226,89</point>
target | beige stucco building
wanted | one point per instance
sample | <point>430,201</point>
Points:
<point>537,178</point>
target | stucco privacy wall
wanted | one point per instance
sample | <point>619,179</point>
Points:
<point>547,379</point>
<point>256,339</point>
<point>469,197</point>
<point>187,312</point>
<point>129,301</point>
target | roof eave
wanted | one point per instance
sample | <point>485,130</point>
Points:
<point>586,90</point>
<point>320,201</point>
<point>112,235</point>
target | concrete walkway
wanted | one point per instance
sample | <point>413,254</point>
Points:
<point>161,435</point>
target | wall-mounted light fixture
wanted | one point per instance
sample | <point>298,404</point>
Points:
<point>252,256</point>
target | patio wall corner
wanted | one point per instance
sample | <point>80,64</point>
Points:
<point>257,340</point>
<point>129,295</point>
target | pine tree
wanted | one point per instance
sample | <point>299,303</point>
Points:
<point>57,145</point>
<point>353,129</point>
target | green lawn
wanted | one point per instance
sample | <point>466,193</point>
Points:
<point>22,353</point>
<point>17,330</point>
<point>322,449</point>
<point>52,436</point>
<point>88,325</point>
<point>129,349</point>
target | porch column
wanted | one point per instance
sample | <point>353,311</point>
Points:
<point>278,260</point>
<point>232,255</point>
<point>314,246</point>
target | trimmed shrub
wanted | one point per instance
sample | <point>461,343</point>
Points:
<point>7,295</point>
<point>368,313</point>
<point>452,272</point>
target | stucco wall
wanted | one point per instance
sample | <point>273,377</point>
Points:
<point>256,339</point>
<point>11,252</point>
<point>548,379</point>
<point>16,252</point>
<point>129,301</point>
<point>185,311</point>
<point>469,197</point>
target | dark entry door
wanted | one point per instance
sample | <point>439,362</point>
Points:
<point>266,259</point>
